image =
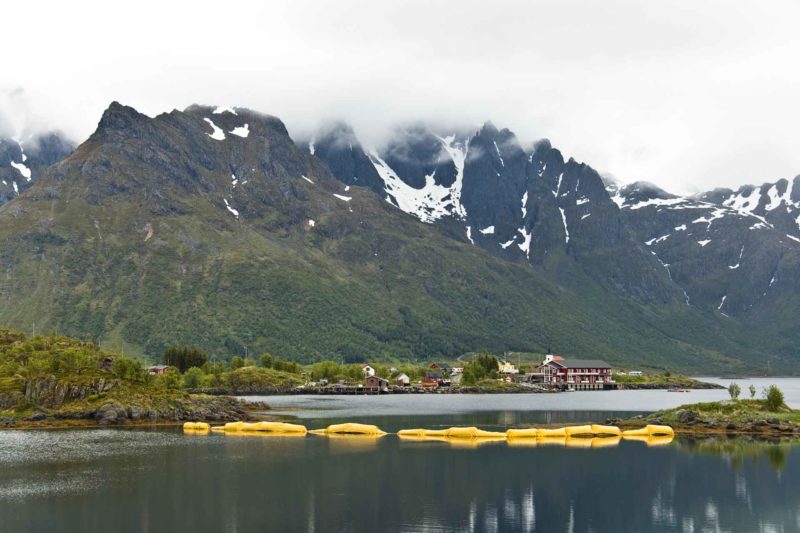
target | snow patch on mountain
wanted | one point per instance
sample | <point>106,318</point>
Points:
<point>241,131</point>
<point>525,245</point>
<point>223,109</point>
<point>524,204</point>
<point>564,220</point>
<point>217,134</point>
<point>233,211</point>
<point>497,149</point>
<point>433,201</point>
<point>22,169</point>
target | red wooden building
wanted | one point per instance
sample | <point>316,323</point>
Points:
<point>576,373</point>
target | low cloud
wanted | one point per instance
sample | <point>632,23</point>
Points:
<point>688,95</point>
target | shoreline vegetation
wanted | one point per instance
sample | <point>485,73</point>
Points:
<point>57,381</point>
<point>767,417</point>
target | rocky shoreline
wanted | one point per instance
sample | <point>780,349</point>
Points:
<point>691,422</point>
<point>116,413</point>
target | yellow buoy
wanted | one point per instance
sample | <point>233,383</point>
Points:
<point>641,432</point>
<point>526,433</point>
<point>572,431</point>
<point>659,430</point>
<point>412,432</point>
<point>350,429</point>
<point>196,426</point>
<point>497,435</point>
<point>597,429</point>
<point>461,433</point>
<point>557,432</point>
<point>279,427</point>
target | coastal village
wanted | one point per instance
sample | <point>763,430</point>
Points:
<point>554,373</point>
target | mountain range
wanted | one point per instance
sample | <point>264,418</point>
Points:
<point>214,227</point>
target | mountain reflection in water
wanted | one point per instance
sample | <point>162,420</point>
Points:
<point>161,480</point>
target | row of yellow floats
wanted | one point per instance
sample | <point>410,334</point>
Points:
<point>585,436</point>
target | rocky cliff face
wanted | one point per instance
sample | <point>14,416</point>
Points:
<point>528,205</point>
<point>22,162</point>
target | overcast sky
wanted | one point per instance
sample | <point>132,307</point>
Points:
<point>687,94</point>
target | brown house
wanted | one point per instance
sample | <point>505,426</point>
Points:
<point>375,383</point>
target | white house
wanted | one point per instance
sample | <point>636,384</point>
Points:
<point>368,371</point>
<point>402,380</point>
<point>505,367</point>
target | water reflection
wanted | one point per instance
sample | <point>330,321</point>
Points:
<point>165,481</point>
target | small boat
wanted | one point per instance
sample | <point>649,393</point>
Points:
<point>679,390</point>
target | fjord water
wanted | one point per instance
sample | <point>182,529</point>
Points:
<point>162,480</point>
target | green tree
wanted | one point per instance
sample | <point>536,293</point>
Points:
<point>183,357</point>
<point>193,378</point>
<point>734,390</point>
<point>286,366</point>
<point>774,398</point>
<point>482,366</point>
<point>266,360</point>
<point>169,380</point>
<point>752,391</point>
<point>128,369</point>
<point>237,363</point>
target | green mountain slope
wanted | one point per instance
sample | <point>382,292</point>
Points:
<point>161,231</point>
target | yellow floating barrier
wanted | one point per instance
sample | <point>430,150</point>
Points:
<point>660,430</point>
<point>605,442</point>
<point>235,426</point>
<point>637,438</point>
<point>279,427</point>
<point>597,429</point>
<point>461,433</point>
<point>649,430</point>
<point>196,432</point>
<point>355,437</point>
<point>572,431</point>
<point>572,442</point>
<point>496,435</point>
<point>460,442</point>
<point>350,429</point>
<point>558,432</point>
<point>412,432</point>
<point>196,426</point>
<point>659,440</point>
<point>641,432</point>
<point>526,433</point>
<point>264,434</point>
<point>421,438</point>
<point>522,442</point>
<point>552,441</point>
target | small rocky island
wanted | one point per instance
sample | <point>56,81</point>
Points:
<point>59,381</point>
<point>767,417</point>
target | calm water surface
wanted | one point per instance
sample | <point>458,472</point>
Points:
<point>162,480</point>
